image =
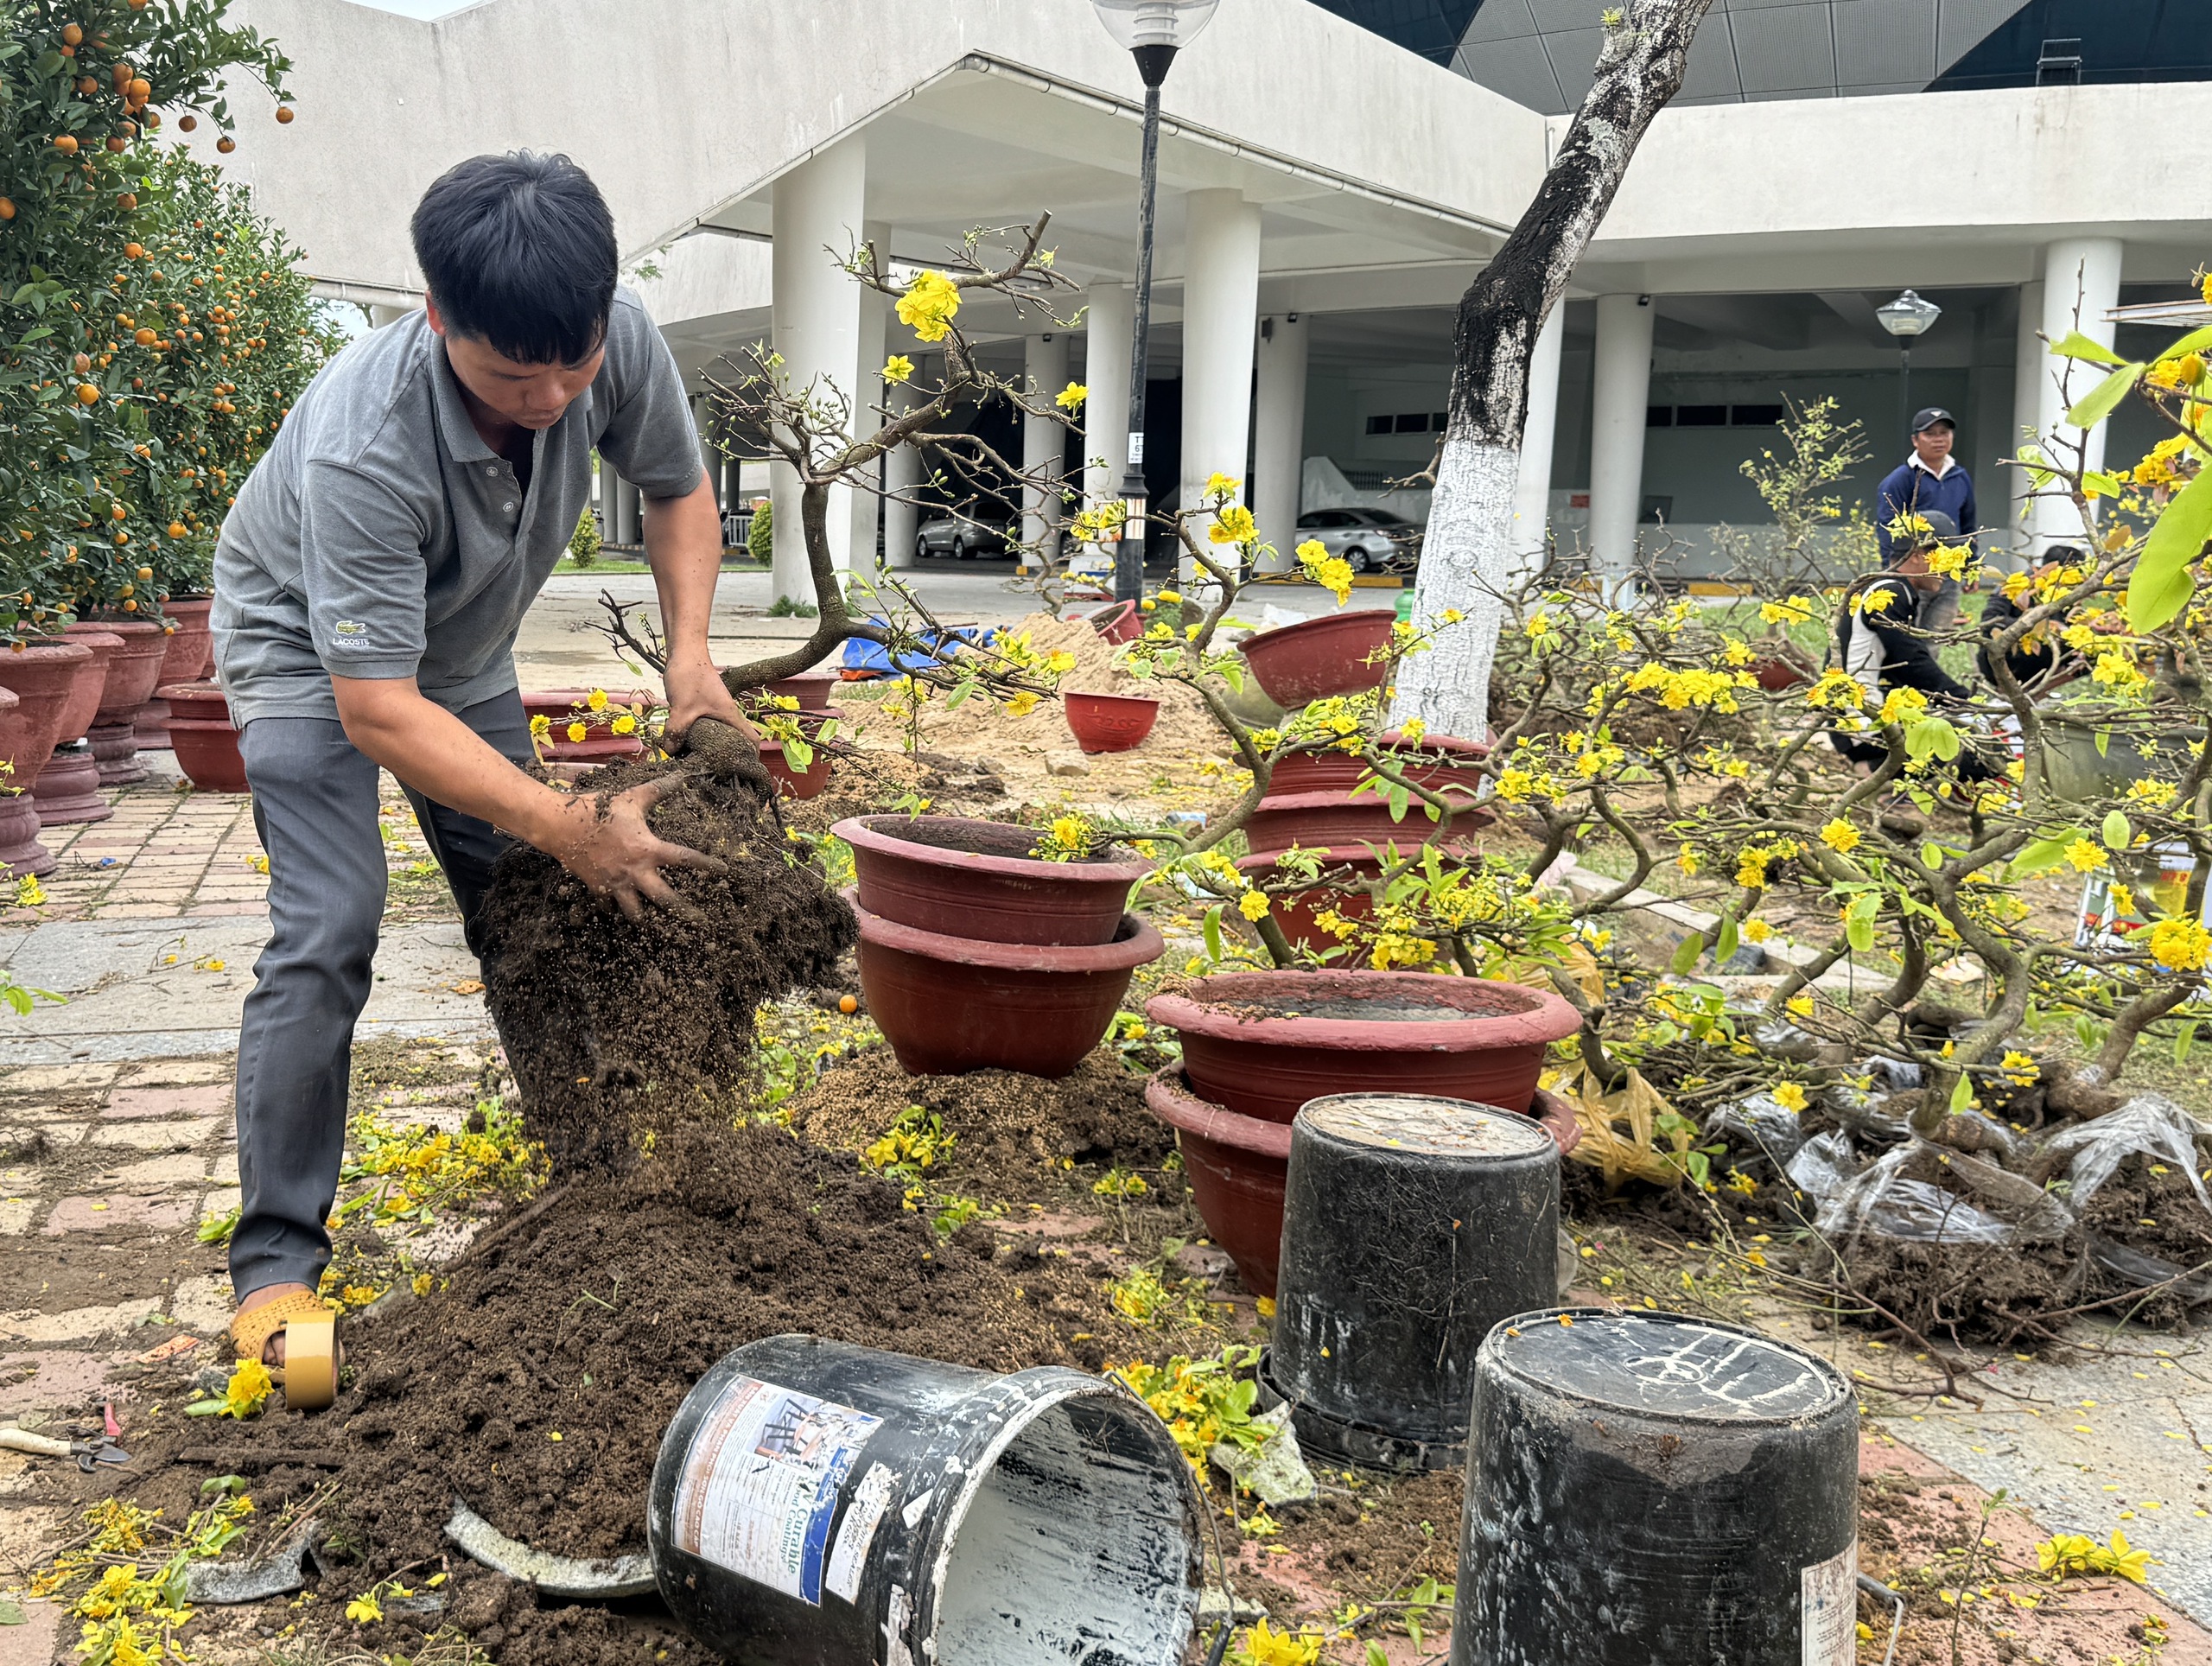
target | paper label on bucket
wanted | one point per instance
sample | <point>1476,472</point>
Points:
<point>760,1485</point>
<point>1828,1624</point>
<point>849,1556</point>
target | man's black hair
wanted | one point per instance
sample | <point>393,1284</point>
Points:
<point>518,252</point>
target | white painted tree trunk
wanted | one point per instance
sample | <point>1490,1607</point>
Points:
<point>1466,563</point>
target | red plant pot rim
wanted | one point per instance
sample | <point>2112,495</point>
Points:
<point>861,832</point>
<point>1169,1098</point>
<point>1349,620</point>
<point>1112,700</point>
<point>1137,942</point>
<point>1546,1019</point>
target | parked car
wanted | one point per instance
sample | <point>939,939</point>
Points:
<point>1369,540</point>
<point>977,529</point>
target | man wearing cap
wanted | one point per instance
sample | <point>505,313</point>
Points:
<point>1930,479</point>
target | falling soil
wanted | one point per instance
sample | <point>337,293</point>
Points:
<point>615,1027</point>
<point>1012,1130</point>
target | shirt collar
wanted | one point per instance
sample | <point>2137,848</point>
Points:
<point>1912,460</point>
<point>463,442</point>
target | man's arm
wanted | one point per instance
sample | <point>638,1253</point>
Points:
<point>441,758</point>
<point>683,547</point>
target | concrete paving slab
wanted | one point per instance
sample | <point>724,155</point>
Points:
<point>156,1136</point>
<point>78,1324</point>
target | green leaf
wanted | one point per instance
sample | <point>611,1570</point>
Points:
<point>1725,947</point>
<point>1859,923</point>
<point>1400,797</point>
<point>1962,1093</point>
<point>2103,400</point>
<point>1931,854</point>
<point>2074,344</point>
<point>2184,1039</point>
<point>1232,672</point>
<point>2118,835</point>
<point>1686,951</point>
<point>1375,1656</point>
<point>11,1613</point>
<point>2042,856</point>
<point>2103,739</point>
<point>1214,931</point>
<point>2161,585</point>
<point>2194,341</point>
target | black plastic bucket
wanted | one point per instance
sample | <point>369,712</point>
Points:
<point>1651,1487</point>
<point>1412,1224</point>
<point>819,1504</point>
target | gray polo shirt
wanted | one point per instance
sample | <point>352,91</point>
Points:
<point>381,538</point>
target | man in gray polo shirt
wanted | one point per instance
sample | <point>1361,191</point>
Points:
<point>368,586</point>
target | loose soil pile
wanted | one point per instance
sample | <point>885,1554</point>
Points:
<point>615,1027</point>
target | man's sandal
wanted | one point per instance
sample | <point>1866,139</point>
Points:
<point>309,1372</point>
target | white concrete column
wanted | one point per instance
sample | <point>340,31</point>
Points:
<point>902,472</point>
<point>1109,323</point>
<point>1532,496</point>
<point>874,326</point>
<point>2030,365</point>
<point>816,207</point>
<point>1221,318</point>
<point>1044,441</point>
<point>1279,435</point>
<point>629,513</point>
<point>2081,285</point>
<point>380,316</point>
<point>1621,392</point>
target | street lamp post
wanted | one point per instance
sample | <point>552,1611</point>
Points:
<point>1154,31</point>
<point>1907,317</point>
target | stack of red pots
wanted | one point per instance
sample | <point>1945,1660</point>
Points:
<point>189,657</point>
<point>41,676</point>
<point>68,789</point>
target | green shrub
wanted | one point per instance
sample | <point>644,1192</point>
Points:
<point>760,537</point>
<point>584,541</point>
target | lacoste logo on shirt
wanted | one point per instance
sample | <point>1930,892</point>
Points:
<point>351,628</point>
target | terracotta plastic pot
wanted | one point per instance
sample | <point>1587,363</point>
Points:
<point>810,689</point>
<point>1778,675</point>
<point>189,657</point>
<point>1236,1165</point>
<point>1439,760</point>
<point>601,744</point>
<point>1264,1043</point>
<point>1343,820</point>
<point>949,1005</point>
<point>1117,624</point>
<point>795,783</point>
<point>67,789</point>
<point>1321,657</point>
<point>134,666</point>
<point>973,879</point>
<point>205,742</point>
<point>41,679</point>
<point>1110,722</point>
<point>1296,909</point>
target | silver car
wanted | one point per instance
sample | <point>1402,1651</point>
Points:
<point>981,529</point>
<point>1369,540</point>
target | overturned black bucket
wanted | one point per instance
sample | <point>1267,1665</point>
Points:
<point>1646,1487</point>
<point>820,1505</point>
<point>1412,1224</point>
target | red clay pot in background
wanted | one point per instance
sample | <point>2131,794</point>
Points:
<point>975,879</point>
<point>41,676</point>
<point>1295,910</point>
<point>68,789</point>
<point>1437,761</point>
<point>948,1005</point>
<point>206,742</point>
<point>1238,1167</point>
<point>1347,822</point>
<point>1110,722</point>
<point>1264,1043</point>
<point>601,744</point>
<point>189,657</point>
<point>795,783</point>
<point>1117,624</point>
<point>133,671</point>
<point>810,689</point>
<point>1318,658</point>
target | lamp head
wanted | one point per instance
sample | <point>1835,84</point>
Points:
<point>1156,30</point>
<point>1908,316</point>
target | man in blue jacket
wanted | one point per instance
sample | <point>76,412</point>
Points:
<point>1929,480</point>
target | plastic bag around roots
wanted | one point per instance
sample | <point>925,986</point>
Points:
<point>2149,1125</point>
<point>1879,1199</point>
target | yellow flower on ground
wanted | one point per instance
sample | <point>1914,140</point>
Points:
<point>250,1385</point>
<point>1841,837</point>
<point>2085,857</point>
<point>1253,905</point>
<point>364,1609</point>
<point>1757,931</point>
<point>1800,1006</point>
<point>930,304</point>
<point>1790,1095</point>
<point>1071,397</point>
<point>1233,525</point>
<point>577,731</point>
<point>898,368</point>
<point>1264,1647</point>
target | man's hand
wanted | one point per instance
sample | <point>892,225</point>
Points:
<point>695,690</point>
<point>618,855</point>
